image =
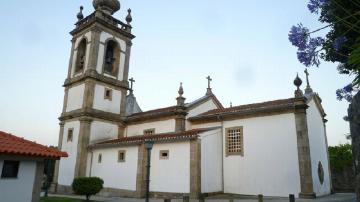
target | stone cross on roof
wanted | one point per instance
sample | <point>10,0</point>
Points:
<point>132,81</point>
<point>209,86</point>
<point>308,89</point>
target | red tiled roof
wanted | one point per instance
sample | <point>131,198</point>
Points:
<point>270,106</point>
<point>190,134</point>
<point>152,113</point>
<point>10,144</point>
<point>169,111</point>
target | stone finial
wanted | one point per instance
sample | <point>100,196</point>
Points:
<point>297,83</point>
<point>107,6</point>
<point>180,99</point>
<point>208,91</point>
<point>128,17</point>
<point>132,81</point>
<point>308,89</point>
<point>80,15</point>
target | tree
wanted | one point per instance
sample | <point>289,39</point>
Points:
<point>341,44</point>
<point>87,186</point>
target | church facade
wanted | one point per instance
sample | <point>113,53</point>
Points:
<point>274,148</point>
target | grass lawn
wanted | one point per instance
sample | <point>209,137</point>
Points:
<point>60,199</point>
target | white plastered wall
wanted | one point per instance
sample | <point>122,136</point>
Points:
<point>211,161</point>
<point>104,36</point>
<point>107,105</point>
<point>67,165</point>
<point>18,189</point>
<point>103,131</point>
<point>173,174</point>
<point>164,126</point>
<point>204,107</point>
<point>75,98</point>
<point>270,162</point>
<point>206,125</point>
<point>87,36</point>
<point>118,175</point>
<point>318,150</point>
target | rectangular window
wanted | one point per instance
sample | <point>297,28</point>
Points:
<point>10,169</point>
<point>108,94</point>
<point>121,156</point>
<point>234,141</point>
<point>70,134</point>
<point>164,154</point>
<point>150,131</point>
<point>99,158</point>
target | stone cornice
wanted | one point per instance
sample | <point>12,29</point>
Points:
<point>92,74</point>
<point>89,113</point>
<point>104,20</point>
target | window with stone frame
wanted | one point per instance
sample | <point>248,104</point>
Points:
<point>108,94</point>
<point>70,135</point>
<point>150,131</point>
<point>10,169</point>
<point>112,58</point>
<point>121,155</point>
<point>99,158</point>
<point>234,141</point>
<point>80,56</point>
<point>164,154</point>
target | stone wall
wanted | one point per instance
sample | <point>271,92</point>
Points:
<point>343,181</point>
<point>354,119</point>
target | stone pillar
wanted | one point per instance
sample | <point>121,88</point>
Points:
<point>37,181</point>
<point>89,94</point>
<point>141,172</point>
<point>94,48</point>
<point>303,150</point>
<point>180,123</point>
<point>328,158</point>
<point>53,187</point>
<point>195,168</point>
<point>82,150</point>
<point>354,120</point>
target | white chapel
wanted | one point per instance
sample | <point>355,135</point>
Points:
<point>274,148</point>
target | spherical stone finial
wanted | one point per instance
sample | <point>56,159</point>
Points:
<point>107,6</point>
<point>297,81</point>
<point>128,17</point>
<point>80,15</point>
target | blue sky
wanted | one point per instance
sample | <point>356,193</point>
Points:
<point>242,45</point>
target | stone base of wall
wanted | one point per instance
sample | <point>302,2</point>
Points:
<point>343,181</point>
<point>111,192</point>
<point>167,195</point>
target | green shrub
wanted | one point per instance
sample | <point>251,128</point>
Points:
<point>87,186</point>
<point>340,157</point>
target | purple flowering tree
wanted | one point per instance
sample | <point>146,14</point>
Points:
<point>341,44</point>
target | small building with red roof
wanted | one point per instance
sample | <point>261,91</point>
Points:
<point>22,166</point>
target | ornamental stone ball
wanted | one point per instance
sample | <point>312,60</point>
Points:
<point>297,81</point>
<point>107,6</point>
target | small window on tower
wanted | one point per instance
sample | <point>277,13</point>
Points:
<point>108,94</point>
<point>99,158</point>
<point>164,154</point>
<point>150,131</point>
<point>70,134</point>
<point>121,156</point>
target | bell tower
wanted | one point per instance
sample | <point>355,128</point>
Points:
<point>95,87</point>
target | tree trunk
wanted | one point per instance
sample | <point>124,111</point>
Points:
<point>354,119</point>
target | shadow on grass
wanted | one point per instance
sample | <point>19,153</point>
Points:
<point>62,199</point>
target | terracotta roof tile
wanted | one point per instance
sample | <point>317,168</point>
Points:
<point>155,137</point>
<point>275,105</point>
<point>152,113</point>
<point>10,144</point>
